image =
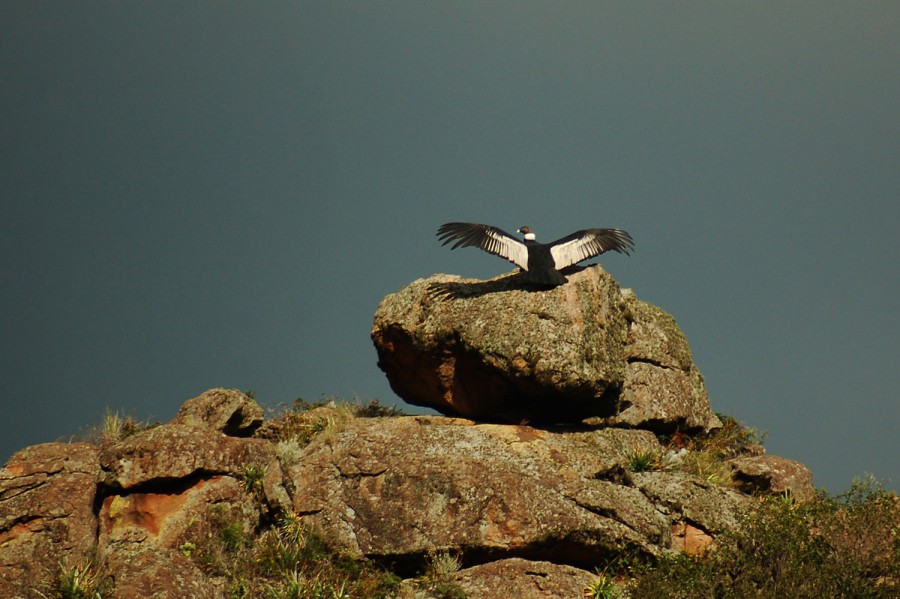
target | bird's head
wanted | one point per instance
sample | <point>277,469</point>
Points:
<point>527,232</point>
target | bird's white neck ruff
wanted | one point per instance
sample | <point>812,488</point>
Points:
<point>530,236</point>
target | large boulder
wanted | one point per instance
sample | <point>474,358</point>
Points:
<point>47,495</point>
<point>179,452</point>
<point>226,410</point>
<point>523,579</point>
<point>487,491</point>
<point>496,351</point>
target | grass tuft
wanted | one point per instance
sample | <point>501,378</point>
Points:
<point>644,460</point>
<point>603,587</point>
<point>438,578</point>
<point>83,580</point>
<point>706,455</point>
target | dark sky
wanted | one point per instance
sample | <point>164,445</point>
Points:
<point>217,194</point>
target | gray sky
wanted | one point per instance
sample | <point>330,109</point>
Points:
<point>219,194</point>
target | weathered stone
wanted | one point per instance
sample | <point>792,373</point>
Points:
<point>686,498</point>
<point>526,507</point>
<point>774,475</point>
<point>141,571</point>
<point>164,516</point>
<point>523,579</point>
<point>487,490</point>
<point>663,399</point>
<point>225,410</point>
<point>46,512</point>
<point>688,538</point>
<point>653,335</point>
<point>177,451</point>
<point>492,350</point>
<point>663,388</point>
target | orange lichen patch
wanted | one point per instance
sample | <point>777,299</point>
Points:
<point>148,511</point>
<point>17,530</point>
<point>559,457</point>
<point>14,470</point>
<point>521,363</point>
<point>690,539</point>
<point>526,433</point>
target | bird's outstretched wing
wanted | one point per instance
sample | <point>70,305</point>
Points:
<point>588,243</point>
<point>490,239</point>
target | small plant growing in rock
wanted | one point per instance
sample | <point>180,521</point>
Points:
<point>284,560</point>
<point>84,580</point>
<point>305,421</point>
<point>603,587</point>
<point>187,548</point>
<point>644,460</point>
<point>707,455</point>
<point>438,577</point>
<point>253,478</point>
<point>115,427</point>
<point>374,409</point>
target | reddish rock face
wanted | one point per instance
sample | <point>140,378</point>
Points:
<point>46,511</point>
<point>493,491</point>
<point>530,510</point>
<point>164,517</point>
<point>688,538</point>
<point>489,350</point>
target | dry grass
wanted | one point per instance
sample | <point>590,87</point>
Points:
<point>705,455</point>
<point>282,560</point>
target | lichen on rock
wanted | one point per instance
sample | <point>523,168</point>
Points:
<point>491,350</point>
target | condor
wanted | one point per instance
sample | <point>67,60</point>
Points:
<point>541,262</point>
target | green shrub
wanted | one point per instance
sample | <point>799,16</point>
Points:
<point>845,546</point>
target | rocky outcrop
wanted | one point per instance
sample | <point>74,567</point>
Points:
<point>490,490</point>
<point>178,452</point>
<point>496,491</point>
<point>556,470</point>
<point>529,510</point>
<point>127,506</point>
<point>47,501</point>
<point>492,350</point>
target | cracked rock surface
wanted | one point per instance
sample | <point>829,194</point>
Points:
<point>491,492</point>
<point>47,495</point>
<point>527,510</point>
<point>493,350</point>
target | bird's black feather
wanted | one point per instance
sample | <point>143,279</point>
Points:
<point>540,261</point>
